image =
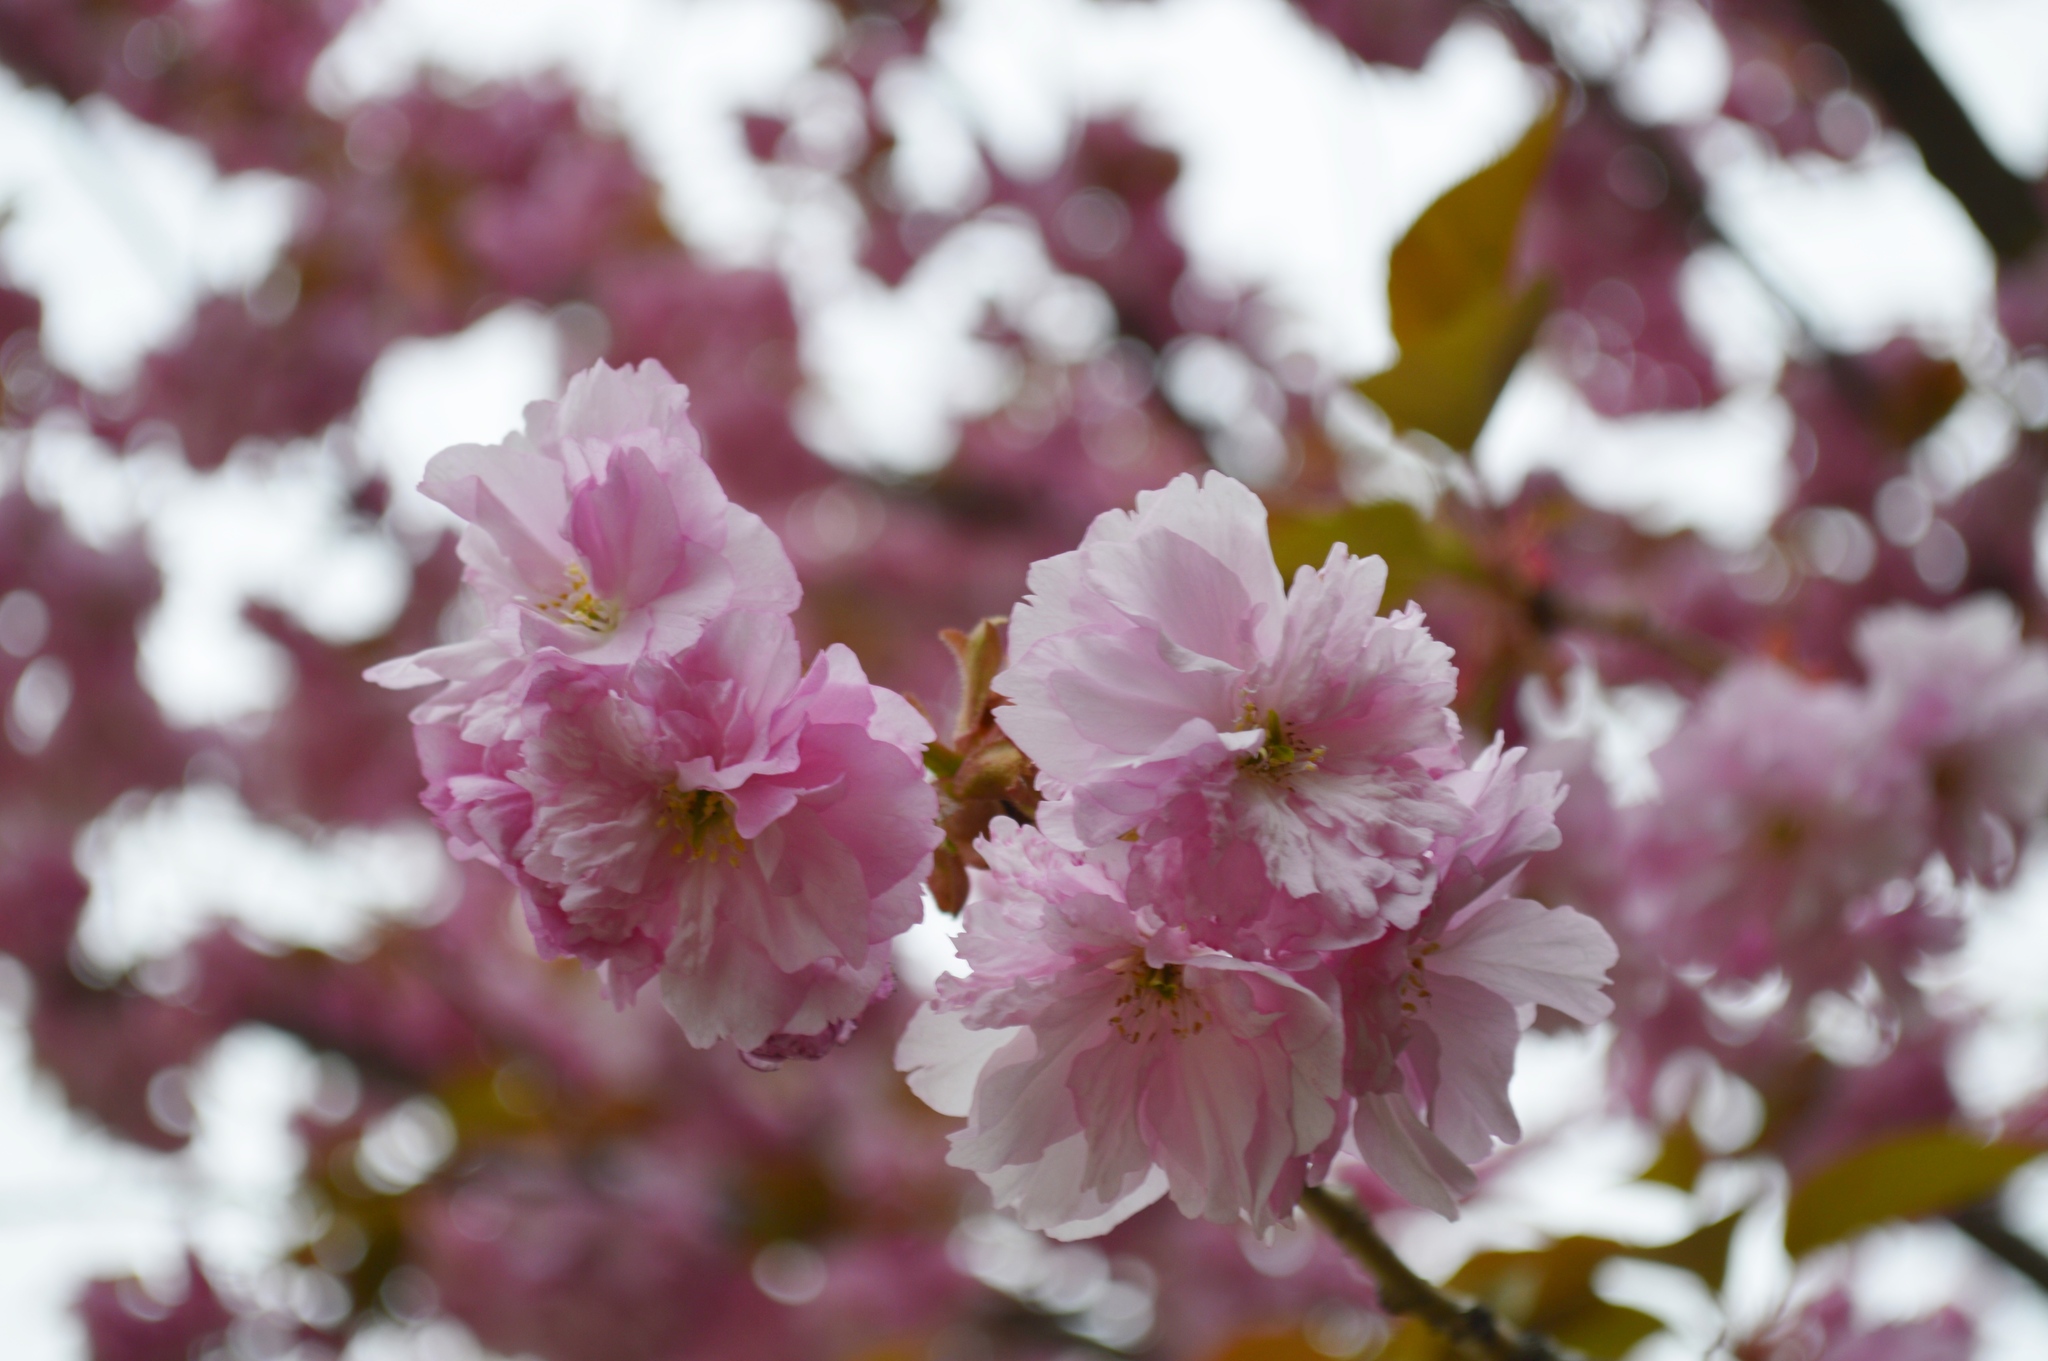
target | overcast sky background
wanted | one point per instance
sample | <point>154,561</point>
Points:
<point>1302,167</point>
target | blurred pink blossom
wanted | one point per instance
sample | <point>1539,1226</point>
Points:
<point>1782,805</point>
<point>1826,1330</point>
<point>1964,694</point>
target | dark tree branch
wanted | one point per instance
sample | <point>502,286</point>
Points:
<point>1883,57</point>
<point>1685,186</point>
<point>1987,1226</point>
<point>1473,1329</point>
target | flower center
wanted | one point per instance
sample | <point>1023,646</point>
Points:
<point>1155,999</point>
<point>1413,989</point>
<point>1282,754</point>
<point>1782,835</point>
<point>577,604</point>
<point>699,823</point>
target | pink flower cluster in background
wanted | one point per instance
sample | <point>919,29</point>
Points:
<point>632,738</point>
<point>1268,901</point>
<point>1811,838</point>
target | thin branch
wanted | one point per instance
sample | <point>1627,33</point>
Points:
<point>1472,1328</point>
<point>1882,54</point>
<point>1984,1223</point>
<point>1696,652</point>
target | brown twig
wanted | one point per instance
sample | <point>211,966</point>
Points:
<point>1986,1225</point>
<point>1696,652</point>
<point>1883,56</point>
<point>1472,1328</point>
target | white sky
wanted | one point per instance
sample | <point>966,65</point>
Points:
<point>1301,169</point>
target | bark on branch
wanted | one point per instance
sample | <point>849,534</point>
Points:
<point>1473,1329</point>
<point>1883,57</point>
<point>1987,1226</point>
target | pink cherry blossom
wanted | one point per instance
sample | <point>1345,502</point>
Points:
<point>1511,816</point>
<point>1103,1060</point>
<point>1165,683</point>
<point>1827,1330</point>
<point>1782,806</point>
<point>126,1322</point>
<point>599,532</point>
<point>1432,1021</point>
<point>1433,1016</point>
<point>1220,894</point>
<point>747,831</point>
<point>1961,692</point>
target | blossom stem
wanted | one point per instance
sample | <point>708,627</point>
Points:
<point>1472,1328</point>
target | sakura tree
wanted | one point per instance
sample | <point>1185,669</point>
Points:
<point>1263,760</point>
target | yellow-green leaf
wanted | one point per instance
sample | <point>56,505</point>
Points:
<point>1460,328</point>
<point>1605,1332</point>
<point>1448,377</point>
<point>979,654</point>
<point>1458,251</point>
<point>1290,1346</point>
<point>1414,1340</point>
<point>1703,1253</point>
<point>1550,1291</point>
<point>1679,1159</point>
<point>1909,1176</point>
<point>1415,549</point>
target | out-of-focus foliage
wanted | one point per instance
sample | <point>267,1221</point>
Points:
<point>1461,323</point>
<point>1550,1291</point>
<point>1905,1176</point>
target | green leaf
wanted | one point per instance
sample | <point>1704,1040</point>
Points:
<point>1415,549</point>
<point>1414,1340</point>
<point>1679,1159</point>
<point>1909,1176</point>
<point>1458,251</point>
<point>941,761</point>
<point>1606,1332</point>
<point>1269,1347</point>
<point>1703,1253</point>
<point>979,655</point>
<point>1551,1291</point>
<point>1460,328</point>
<point>1448,378</point>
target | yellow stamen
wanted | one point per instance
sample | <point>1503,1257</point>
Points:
<point>1413,988</point>
<point>701,822</point>
<point>1154,991</point>
<point>1783,835</point>
<point>577,604</point>
<point>1282,753</point>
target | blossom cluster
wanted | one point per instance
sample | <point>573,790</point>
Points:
<point>1809,837</point>
<point>632,739</point>
<point>1268,901</point>
<point>1820,801</point>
